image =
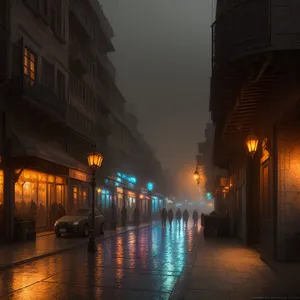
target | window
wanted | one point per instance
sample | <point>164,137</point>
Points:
<point>29,66</point>
<point>57,19</point>
<point>61,84</point>
<point>47,74</point>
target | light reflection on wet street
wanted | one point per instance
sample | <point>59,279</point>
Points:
<point>140,264</point>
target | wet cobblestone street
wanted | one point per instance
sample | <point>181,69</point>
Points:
<point>141,264</point>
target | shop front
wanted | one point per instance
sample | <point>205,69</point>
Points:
<point>40,197</point>
<point>144,207</point>
<point>119,203</point>
<point>79,189</point>
<point>130,204</point>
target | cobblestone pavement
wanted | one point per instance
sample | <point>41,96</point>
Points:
<point>140,264</point>
<point>223,269</point>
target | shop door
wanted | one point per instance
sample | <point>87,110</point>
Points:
<point>266,237</point>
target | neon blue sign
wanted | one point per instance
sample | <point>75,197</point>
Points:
<point>150,186</point>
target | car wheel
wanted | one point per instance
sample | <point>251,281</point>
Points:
<point>58,234</point>
<point>86,230</point>
<point>102,229</point>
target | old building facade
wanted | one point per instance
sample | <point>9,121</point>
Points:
<point>254,92</point>
<point>58,103</point>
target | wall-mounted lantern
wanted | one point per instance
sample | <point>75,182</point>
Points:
<point>251,144</point>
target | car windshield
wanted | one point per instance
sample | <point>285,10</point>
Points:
<point>82,212</point>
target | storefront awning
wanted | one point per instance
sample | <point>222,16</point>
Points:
<point>24,145</point>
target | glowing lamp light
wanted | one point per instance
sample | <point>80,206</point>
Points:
<point>99,190</point>
<point>95,160</point>
<point>196,175</point>
<point>251,144</point>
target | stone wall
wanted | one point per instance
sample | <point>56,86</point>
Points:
<point>288,190</point>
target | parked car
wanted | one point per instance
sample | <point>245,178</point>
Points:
<point>79,223</point>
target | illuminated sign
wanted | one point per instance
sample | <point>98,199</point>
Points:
<point>208,196</point>
<point>131,194</point>
<point>150,186</point>
<point>119,190</point>
<point>78,175</point>
<point>129,178</point>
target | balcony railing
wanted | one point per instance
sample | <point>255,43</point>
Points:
<point>242,31</point>
<point>78,60</point>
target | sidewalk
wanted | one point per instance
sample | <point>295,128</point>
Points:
<point>224,269</point>
<point>46,245</point>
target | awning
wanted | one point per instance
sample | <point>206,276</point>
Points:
<point>25,145</point>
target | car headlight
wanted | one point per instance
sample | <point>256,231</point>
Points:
<point>76,223</point>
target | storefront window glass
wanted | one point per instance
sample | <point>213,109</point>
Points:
<point>42,208</point>
<point>38,198</point>
<point>84,197</point>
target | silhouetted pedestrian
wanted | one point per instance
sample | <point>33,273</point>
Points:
<point>124,215</point>
<point>185,216</point>
<point>195,217</point>
<point>170,216</point>
<point>178,215</point>
<point>164,214</point>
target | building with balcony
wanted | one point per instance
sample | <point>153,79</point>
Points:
<point>255,91</point>
<point>55,109</point>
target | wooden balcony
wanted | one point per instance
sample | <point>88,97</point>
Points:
<point>242,31</point>
<point>255,26</point>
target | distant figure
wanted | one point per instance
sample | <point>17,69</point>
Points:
<point>124,215</point>
<point>195,217</point>
<point>136,216</point>
<point>164,215</point>
<point>170,216</point>
<point>185,216</point>
<point>33,211</point>
<point>178,215</point>
<point>61,211</point>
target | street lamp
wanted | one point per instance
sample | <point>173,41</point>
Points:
<point>95,160</point>
<point>251,144</point>
<point>196,175</point>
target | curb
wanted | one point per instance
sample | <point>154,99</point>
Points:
<point>54,252</point>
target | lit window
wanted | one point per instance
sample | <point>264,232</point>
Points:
<point>29,66</point>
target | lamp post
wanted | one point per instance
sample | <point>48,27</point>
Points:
<point>95,160</point>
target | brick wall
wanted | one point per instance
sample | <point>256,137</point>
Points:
<point>288,189</point>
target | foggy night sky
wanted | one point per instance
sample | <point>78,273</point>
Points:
<point>162,59</point>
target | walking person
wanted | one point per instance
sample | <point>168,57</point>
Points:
<point>164,214</point>
<point>170,217</point>
<point>195,217</point>
<point>178,215</point>
<point>124,215</point>
<point>185,216</point>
